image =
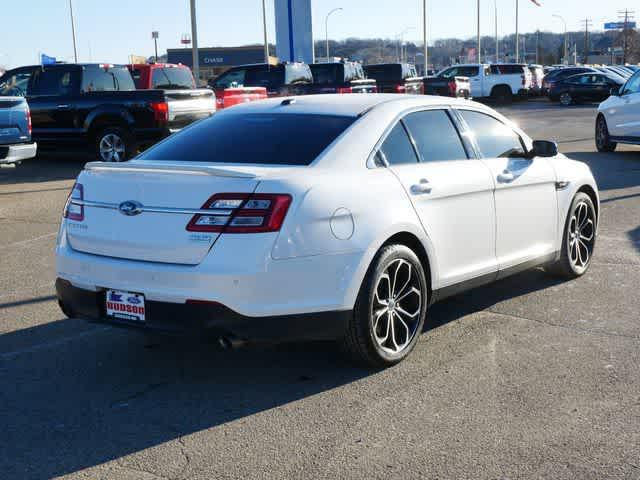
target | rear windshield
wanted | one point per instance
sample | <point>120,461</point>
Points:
<point>168,78</point>
<point>327,73</point>
<point>384,73</point>
<point>270,139</point>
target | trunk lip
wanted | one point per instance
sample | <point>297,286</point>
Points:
<point>152,167</point>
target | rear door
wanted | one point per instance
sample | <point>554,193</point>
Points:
<point>451,191</point>
<point>525,193</point>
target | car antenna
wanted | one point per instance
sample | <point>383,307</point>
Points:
<point>288,101</point>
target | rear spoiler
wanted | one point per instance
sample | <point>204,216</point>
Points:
<point>168,168</point>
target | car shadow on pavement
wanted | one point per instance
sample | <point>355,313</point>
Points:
<point>611,170</point>
<point>76,395</point>
<point>47,168</point>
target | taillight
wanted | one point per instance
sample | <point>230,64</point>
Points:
<point>452,88</point>
<point>524,81</point>
<point>242,213</point>
<point>29,127</point>
<point>345,90</point>
<point>73,210</point>
<point>160,111</point>
<point>374,89</point>
<point>401,89</point>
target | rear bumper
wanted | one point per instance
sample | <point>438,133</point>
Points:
<point>195,319</point>
<point>16,153</point>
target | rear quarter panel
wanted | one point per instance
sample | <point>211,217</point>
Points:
<point>13,121</point>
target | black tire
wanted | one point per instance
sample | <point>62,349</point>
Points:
<point>121,141</point>
<point>361,340</point>
<point>565,266</point>
<point>603,141</point>
<point>502,95</point>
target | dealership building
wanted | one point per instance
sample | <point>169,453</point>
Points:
<point>214,61</point>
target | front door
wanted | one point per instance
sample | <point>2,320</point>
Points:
<point>623,117</point>
<point>451,192</point>
<point>525,191</point>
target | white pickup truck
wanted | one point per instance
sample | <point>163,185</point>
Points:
<point>498,81</point>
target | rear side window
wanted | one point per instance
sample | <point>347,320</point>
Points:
<point>397,148</point>
<point>507,69</point>
<point>270,78</point>
<point>264,138</point>
<point>137,78</point>
<point>328,73</point>
<point>54,81</point>
<point>101,79</point>
<point>172,78</point>
<point>383,73</point>
<point>467,71</point>
<point>435,136</point>
<point>494,138</point>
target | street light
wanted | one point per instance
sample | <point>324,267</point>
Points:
<point>264,27</point>
<point>326,29</point>
<point>194,43</point>
<point>401,42</point>
<point>565,36</point>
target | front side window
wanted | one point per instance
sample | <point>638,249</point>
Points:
<point>106,79</point>
<point>435,136</point>
<point>327,73</point>
<point>397,148</point>
<point>632,85</point>
<point>494,138</point>
<point>15,84</point>
<point>231,78</point>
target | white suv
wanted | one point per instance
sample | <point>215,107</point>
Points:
<point>618,119</point>
<point>321,217</point>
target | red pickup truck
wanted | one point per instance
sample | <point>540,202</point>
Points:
<point>186,102</point>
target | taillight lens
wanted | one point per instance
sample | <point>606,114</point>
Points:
<point>160,111</point>
<point>452,88</point>
<point>345,90</point>
<point>401,89</point>
<point>72,209</point>
<point>29,126</point>
<point>242,213</point>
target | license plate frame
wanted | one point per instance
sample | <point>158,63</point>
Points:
<point>123,305</point>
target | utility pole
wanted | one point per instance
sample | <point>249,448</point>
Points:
<point>73,32</point>
<point>478,39</point>
<point>517,36</point>
<point>264,29</point>
<point>537,47</point>
<point>424,34</point>
<point>626,15</point>
<point>194,44</point>
<point>587,24</point>
<point>495,21</point>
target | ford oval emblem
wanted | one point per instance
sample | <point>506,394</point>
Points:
<point>130,208</point>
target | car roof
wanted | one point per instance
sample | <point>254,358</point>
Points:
<point>343,105</point>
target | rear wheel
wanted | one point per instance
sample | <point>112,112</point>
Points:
<point>390,310</point>
<point>603,141</point>
<point>566,99</point>
<point>502,95</point>
<point>579,239</point>
<point>113,144</point>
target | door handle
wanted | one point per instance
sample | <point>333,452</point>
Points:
<point>506,177</point>
<point>64,106</point>
<point>422,187</point>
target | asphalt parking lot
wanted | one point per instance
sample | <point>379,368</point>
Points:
<point>528,378</point>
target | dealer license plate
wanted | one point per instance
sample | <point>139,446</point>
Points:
<point>125,305</point>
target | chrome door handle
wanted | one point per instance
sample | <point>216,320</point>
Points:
<point>422,187</point>
<point>506,177</point>
<point>65,106</point>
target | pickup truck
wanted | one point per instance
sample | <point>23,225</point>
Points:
<point>281,80</point>
<point>344,77</point>
<point>186,102</point>
<point>15,131</point>
<point>500,82</point>
<point>445,86</point>
<point>90,107</point>
<point>395,77</point>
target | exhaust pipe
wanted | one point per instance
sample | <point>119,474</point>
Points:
<point>231,342</point>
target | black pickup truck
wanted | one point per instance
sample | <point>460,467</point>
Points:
<point>89,107</point>
<point>344,77</point>
<point>447,86</point>
<point>395,77</point>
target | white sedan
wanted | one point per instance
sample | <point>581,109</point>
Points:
<point>325,217</point>
<point>618,119</point>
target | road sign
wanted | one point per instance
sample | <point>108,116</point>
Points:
<point>618,25</point>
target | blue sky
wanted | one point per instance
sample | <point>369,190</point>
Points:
<point>110,30</point>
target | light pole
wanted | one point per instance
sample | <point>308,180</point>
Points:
<point>326,29</point>
<point>155,35</point>
<point>565,59</point>
<point>194,44</point>
<point>517,36</point>
<point>73,32</point>
<point>264,27</point>
<point>478,39</point>
<point>424,34</point>
<point>495,15</point>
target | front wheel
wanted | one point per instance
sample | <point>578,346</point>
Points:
<point>603,141</point>
<point>579,239</point>
<point>390,310</point>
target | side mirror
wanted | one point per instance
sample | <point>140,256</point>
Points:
<point>544,148</point>
<point>615,91</point>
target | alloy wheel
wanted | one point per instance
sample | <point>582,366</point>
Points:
<point>397,305</point>
<point>112,148</point>
<point>602,133</point>
<point>565,99</point>
<point>582,234</point>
